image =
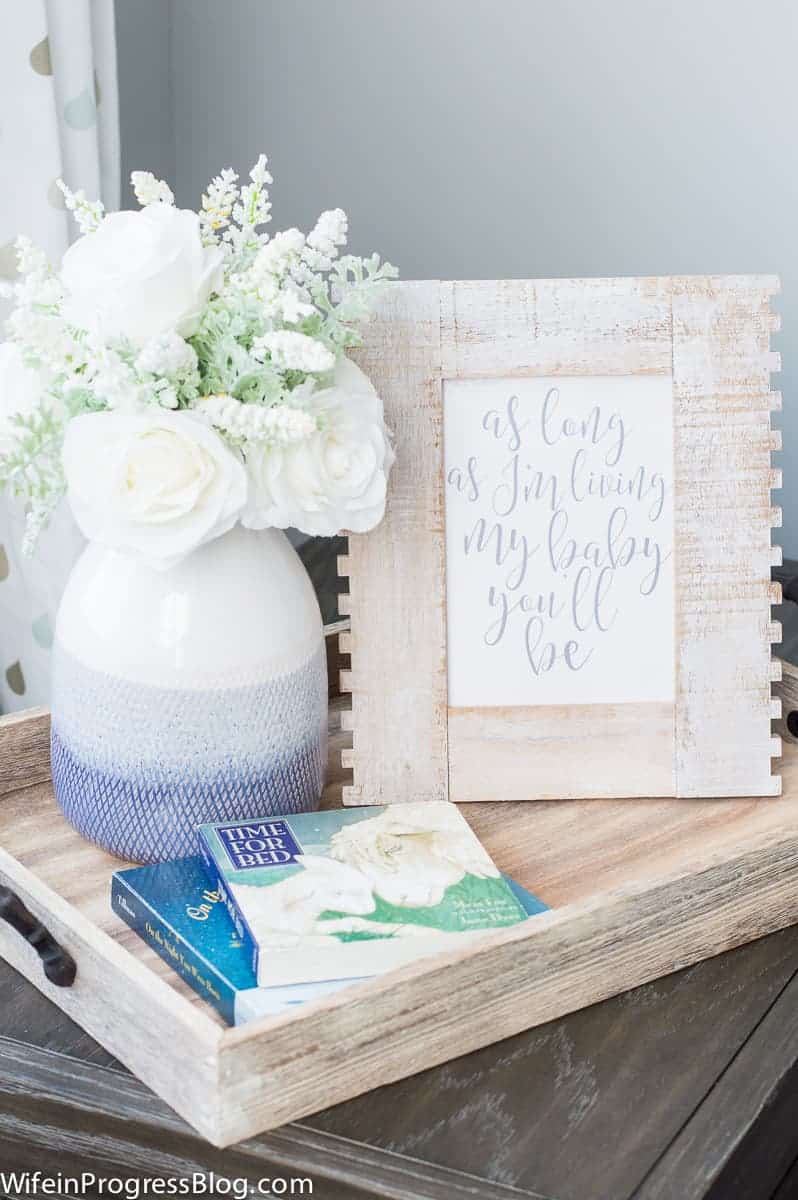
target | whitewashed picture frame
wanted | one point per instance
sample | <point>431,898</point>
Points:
<point>689,360</point>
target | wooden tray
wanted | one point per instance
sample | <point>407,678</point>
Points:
<point>639,889</point>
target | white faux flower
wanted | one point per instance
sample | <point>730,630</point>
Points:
<point>290,351</point>
<point>150,190</point>
<point>218,203</point>
<point>254,422</point>
<point>31,259</point>
<point>291,305</point>
<point>47,339</point>
<point>21,392</point>
<point>277,255</point>
<point>167,354</point>
<point>411,853</point>
<point>141,274</point>
<point>157,484</point>
<point>329,232</point>
<point>87,213</point>
<point>113,382</point>
<point>334,480</point>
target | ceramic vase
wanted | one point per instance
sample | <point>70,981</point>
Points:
<point>191,694</point>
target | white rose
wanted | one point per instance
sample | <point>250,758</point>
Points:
<point>141,274</point>
<point>21,391</point>
<point>337,478</point>
<point>156,484</point>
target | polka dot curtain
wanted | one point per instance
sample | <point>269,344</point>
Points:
<point>59,118</point>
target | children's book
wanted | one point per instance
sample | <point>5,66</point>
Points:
<point>355,892</point>
<point>176,908</point>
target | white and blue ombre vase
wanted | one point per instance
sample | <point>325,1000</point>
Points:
<point>193,694</point>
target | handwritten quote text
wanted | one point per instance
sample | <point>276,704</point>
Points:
<point>559,540</point>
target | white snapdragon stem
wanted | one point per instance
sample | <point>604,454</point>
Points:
<point>149,190</point>
<point>294,352</point>
<point>218,203</point>
<point>87,213</point>
<point>280,425</point>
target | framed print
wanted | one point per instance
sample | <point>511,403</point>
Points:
<point>570,595</point>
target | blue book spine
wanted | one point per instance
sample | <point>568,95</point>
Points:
<point>173,949</point>
<point>241,926</point>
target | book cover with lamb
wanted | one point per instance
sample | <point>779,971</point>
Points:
<point>355,892</point>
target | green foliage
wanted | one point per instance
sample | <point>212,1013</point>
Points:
<point>79,400</point>
<point>346,299</point>
<point>32,465</point>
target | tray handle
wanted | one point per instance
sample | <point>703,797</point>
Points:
<point>59,966</point>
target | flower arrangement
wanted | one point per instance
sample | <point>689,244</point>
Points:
<point>185,371</point>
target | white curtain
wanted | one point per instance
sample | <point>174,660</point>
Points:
<point>59,118</point>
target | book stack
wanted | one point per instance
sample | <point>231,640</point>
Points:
<point>276,912</point>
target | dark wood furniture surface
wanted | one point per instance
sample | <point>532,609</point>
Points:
<point>687,1087</point>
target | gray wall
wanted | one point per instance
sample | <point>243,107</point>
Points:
<point>489,139</point>
<point>146,96</point>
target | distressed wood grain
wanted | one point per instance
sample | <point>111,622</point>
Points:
<point>515,979</point>
<point>60,1114</point>
<point>396,600</point>
<point>24,748</point>
<point>515,327</point>
<point>116,997</point>
<point>583,1108</point>
<point>718,1153</point>
<point>722,536</point>
<point>712,335</point>
<point>549,752</point>
<point>578,1109</point>
<point>638,889</point>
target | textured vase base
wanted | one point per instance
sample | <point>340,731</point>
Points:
<point>146,820</point>
<point>136,767</point>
